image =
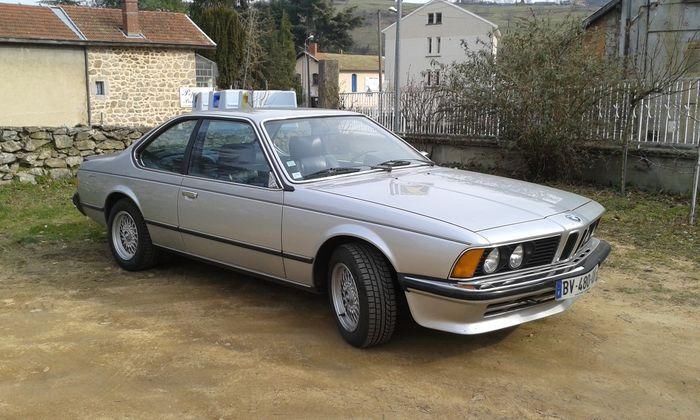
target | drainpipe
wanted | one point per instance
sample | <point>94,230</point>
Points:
<point>87,87</point>
<point>646,38</point>
<point>624,28</point>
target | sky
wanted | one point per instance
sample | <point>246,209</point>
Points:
<point>37,1</point>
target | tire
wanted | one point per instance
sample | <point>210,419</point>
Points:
<point>131,255</point>
<point>374,321</point>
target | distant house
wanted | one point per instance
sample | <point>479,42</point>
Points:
<point>655,36</point>
<point>435,32</point>
<point>69,65</point>
<point>357,73</point>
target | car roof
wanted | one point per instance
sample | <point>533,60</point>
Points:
<point>259,115</point>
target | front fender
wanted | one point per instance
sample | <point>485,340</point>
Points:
<point>364,233</point>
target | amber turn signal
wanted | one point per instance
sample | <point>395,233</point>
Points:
<point>467,264</point>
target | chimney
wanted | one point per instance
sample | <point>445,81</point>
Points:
<point>313,49</point>
<point>130,14</point>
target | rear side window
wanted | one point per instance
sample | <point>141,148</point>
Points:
<point>167,151</point>
<point>229,151</point>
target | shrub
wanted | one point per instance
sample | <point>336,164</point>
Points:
<point>540,85</point>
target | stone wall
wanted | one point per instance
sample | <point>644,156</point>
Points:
<point>30,152</point>
<point>141,85</point>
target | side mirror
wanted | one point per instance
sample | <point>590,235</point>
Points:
<point>424,153</point>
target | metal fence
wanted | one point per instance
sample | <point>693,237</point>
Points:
<point>669,118</point>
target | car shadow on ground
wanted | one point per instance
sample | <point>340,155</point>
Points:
<point>409,337</point>
<point>231,297</point>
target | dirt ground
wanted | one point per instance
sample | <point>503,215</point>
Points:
<point>81,338</point>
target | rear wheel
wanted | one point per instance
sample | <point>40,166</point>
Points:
<point>129,239</point>
<point>362,295</point>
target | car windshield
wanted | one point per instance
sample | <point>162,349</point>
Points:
<point>317,147</point>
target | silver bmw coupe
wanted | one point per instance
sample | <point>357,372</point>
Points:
<point>332,202</point>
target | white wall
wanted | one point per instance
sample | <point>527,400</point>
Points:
<point>457,26</point>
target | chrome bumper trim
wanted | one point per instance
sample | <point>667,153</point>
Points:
<point>592,255</point>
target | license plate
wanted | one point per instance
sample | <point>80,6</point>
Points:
<point>575,286</point>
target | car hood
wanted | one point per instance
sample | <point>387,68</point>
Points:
<point>466,199</point>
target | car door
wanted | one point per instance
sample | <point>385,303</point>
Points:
<point>230,206</point>
<point>157,185</point>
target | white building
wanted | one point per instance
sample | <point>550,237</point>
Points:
<point>436,32</point>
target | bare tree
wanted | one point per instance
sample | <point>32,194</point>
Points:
<point>650,74</point>
<point>253,50</point>
<point>422,107</point>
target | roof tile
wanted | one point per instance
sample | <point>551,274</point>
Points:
<point>349,62</point>
<point>99,25</point>
<point>32,22</point>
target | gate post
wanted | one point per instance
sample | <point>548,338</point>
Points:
<point>328,89</point>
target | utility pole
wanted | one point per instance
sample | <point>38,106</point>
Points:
<point>379,60</point>
<point>694,200</point>
<point>308,70</point>
<point>397,49</point>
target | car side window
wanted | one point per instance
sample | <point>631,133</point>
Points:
<point>229,151</point>
<point>167,151</point>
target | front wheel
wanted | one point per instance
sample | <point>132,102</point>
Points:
<point>362,295</point>
<point>129,239</point>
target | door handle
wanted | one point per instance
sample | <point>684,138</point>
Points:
<point>189,194</point>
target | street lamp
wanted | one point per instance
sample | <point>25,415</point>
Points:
<point>397,96</point>
<point>308,70</point>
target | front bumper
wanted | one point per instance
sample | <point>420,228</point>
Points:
<point>507,300</point>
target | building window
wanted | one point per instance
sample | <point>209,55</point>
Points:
<point>437,45</point>
<point>432,78</point>
<point>353,81</point>
<point>431,18</point>
<point>430,45</point>
<point>205,71</point>
<point>438,18</point>
<point>314,79</point>
<point>100,88</point>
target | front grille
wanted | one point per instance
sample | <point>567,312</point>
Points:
<point>543,251</point>
<point>519,303</point>
<point>569,247</point>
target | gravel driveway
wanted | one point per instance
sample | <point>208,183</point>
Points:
<point>82,338</point>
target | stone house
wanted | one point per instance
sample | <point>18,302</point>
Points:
<point>71,65</point>
<point>436,32</point>
<point>356,72</point>
<point>654,36</point>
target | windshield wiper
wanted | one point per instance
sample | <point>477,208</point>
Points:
<point>389,164</point>
<point>331,171</point>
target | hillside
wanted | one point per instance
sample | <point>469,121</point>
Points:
<point>504,16</point>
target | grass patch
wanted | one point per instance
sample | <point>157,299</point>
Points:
<point>43,213</point>
<point>646,227</point>
<point>656,225</point>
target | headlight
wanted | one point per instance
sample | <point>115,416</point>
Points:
<point>491,261</point>
<point>516,257</point>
